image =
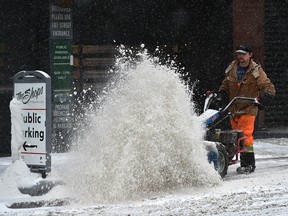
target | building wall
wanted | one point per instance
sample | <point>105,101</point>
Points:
<point>248,26</point>
<point>276,55</point>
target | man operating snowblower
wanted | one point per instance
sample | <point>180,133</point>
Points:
<point>244,77</point>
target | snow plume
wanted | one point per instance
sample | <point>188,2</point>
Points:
<point>144,139</point>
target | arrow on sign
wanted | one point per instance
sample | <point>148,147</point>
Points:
<point>28,146</point>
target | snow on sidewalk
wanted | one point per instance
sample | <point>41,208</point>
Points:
<point>264,192</point>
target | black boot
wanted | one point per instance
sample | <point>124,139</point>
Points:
<point>247,163</point>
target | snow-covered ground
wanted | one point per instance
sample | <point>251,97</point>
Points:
<point>264,192</point>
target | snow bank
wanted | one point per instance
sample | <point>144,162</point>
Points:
<point>15,175</point>
<point>144,139</point>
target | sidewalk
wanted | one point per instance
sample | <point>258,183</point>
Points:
<point>271,133</point>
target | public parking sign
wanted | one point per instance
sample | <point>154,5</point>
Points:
<point>32,90</point>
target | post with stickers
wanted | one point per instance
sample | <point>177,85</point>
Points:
<point>31,120</point>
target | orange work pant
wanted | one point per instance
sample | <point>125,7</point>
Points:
<point>246,124</point>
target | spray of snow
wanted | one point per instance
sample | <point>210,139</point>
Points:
<point>143,139</point>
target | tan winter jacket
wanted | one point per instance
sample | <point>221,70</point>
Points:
<point>255,83</point>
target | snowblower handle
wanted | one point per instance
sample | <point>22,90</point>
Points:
<point>253,100</point>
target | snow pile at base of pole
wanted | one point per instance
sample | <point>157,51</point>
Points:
<point>12,178</point>
<point>144,139</point>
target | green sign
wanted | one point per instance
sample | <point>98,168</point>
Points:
<point>61,51</point>
<point>61,37</point>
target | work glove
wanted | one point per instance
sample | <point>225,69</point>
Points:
<point>222,97</point>
<point>266,99</point>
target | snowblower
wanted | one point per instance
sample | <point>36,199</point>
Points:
<point>223,146</point>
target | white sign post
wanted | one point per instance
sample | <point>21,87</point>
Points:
<point>32,91</point>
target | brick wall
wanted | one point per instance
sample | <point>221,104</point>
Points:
<point>248,26</point>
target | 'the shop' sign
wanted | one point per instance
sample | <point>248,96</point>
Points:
<point>32,91</point>
<point>29,93</point>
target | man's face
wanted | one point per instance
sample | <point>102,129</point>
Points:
<point>244,57</point>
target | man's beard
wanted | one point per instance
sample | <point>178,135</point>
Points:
<point>241,60</point>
